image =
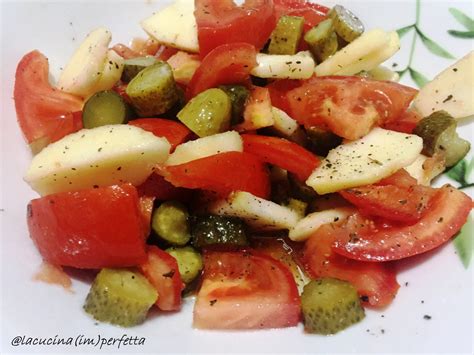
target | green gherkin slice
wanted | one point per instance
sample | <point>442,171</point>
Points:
<point>330,305</point>
<point>170,222</point>
<point>238,95</point>
<point>211,230</point>
<point>438,131</point>
<point>121,297</point>
<point>286,36</point>
<point>208,113</point>
<point>105,108</point>
<point>319,33</point>
<point>189,262</point>
<point>346,24</point>
<point>133,66</point>
<point>153,91</point>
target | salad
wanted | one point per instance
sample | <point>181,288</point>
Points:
<point>276,172</point>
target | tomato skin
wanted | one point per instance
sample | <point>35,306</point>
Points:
<point>376,281</point>
<point>283,153</point>
<point>346,105</point>
<point>245,290</point>
<point>161,269</point>
<point>74,229</point>
<point>279,93</point>
<point>448,213</point>
<point>175,132</point>
<point>157,187</point>
<point>405,123</point>
<point>226,64</point>
<point>222,21</point>
<point>43,112</point>
<point>222,173</point>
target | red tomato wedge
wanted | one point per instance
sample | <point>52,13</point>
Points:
<point>282,153</point>
<point>75,229</point>
<point>376,283</point>
<point>222,173</point>
<point>245,290</point>
<point>45,114</point>
<point>146,209</point>
<point>161,269</point>
<point>311,12</point>
<point>222,21</point>
<point>156,186</point>
<point>176,133</point>
<point>346,105</point>
<point>226,64</point>
<point>405,123</point>
<point>396,198</point>
<point>360,240</point>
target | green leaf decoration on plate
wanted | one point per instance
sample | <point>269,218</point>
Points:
<point>464,244</point>
<point>461,34</point>
<point>433,47</point>
<point>404,30</point>
<point>462,173</point>
<point>462,18</point>
<point>418,78</point>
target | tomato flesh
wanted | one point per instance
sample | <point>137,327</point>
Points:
<point>363,240</point>
<point>226,64</point>
<point>245,290</point>
<point>45,114</point>
<point>157,187</point>
<point>75,229</point>
<point>222,21</point>
<point>161,269</point>
<point>376,283</point>
<point>282,153</point>
<point>222,173</point>
<point>347,106</point>
<point>175,132</point>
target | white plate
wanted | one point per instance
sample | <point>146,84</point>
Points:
<point>435,285</point>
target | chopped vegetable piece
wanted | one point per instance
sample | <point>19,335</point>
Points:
<point>121,297</point>
<point>286,36</point>
<point>238,97</point>
<point>258,110</point>
<point>170,222</point>
<point>174,132</point>
<point>105,108</point>
<point>218,231</point>
<point>157,187</point>
<point>74,229</point>
<point>329,306</point>
<point>282,153</point>
<point>300,190</point>
<point>184,66</point>
<point>224,65</point>
<point>221,22</point>
<point>245,290</point>
<point>153,91</point>
<point>283,124</point>
<point>376,283</point>
<point>359,239</point>
<point>320,33</point>
<point>189,262</point>
<point>280,66</point>
<point>438,131</point>
<point>45,114</point>
<point>100,156</point>
<point>322,141</point>
<point>135,65</point>
<point>208,113</point>
<point>161,269</point>
<point>346,24</point>
<point>311,12</point>
<point>207,146</point>
<point>222,173</point>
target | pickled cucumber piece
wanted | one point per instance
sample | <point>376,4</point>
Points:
<point>153,91</point>
<point>208,113</point>
<point>319,33</point>
<point>286,36</point>
<point>327,48</point>
<point>346,24</point>
<point>300,190</point>
<point>135,65</point>
<point>438,131</point>
<point>121,297</point>
<point>189,262</point>
<point>238,95</point>
<point>330,305</point>
<point>221,231</point>
<point>170,222</point>
<point>104,108</point>
<point>322,141</point>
